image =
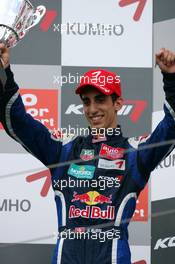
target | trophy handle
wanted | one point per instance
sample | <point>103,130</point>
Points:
<point>37,16</point>
<point>3,77</point>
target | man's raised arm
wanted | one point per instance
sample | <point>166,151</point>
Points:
<point>30,133</point>
<point>152,155</point>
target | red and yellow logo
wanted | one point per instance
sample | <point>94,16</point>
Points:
<point>92,198</point>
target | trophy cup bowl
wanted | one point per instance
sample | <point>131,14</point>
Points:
<point>16,18</point>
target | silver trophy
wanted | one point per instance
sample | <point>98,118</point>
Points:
<point>16,18</point>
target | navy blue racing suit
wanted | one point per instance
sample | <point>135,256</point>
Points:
<point>86,206</point>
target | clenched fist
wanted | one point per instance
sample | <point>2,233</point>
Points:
<point>4,55</point>
<point>166,60</point>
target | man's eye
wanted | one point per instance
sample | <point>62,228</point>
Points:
<point>86,102</point>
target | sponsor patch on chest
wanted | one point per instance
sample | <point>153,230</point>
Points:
<point>87,154</point>
<point>81,171</point>
<point>111,164</point>
<point>111,153</point>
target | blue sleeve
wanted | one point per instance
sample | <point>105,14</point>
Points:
<point>30,133</point>
<point>151,156</point>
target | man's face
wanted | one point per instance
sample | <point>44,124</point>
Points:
<point>99,108</point>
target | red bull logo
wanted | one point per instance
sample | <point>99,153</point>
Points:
<point>84,198</point>
<point>92,212</point>
<point>92,198</point>
<point>103,199</point>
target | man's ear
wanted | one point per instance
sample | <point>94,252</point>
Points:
<point>118,103</point>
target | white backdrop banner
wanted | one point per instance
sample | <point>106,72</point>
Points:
<point>27,208</point>
<point>163,177</point>
<point>106,33</point>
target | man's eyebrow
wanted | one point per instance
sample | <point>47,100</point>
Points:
<point>98,96</point>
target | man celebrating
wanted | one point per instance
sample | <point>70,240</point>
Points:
<point>88,212</point>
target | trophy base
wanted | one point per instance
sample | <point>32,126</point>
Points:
<point>8,36</point>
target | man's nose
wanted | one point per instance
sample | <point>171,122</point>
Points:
<point>93,108</point>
